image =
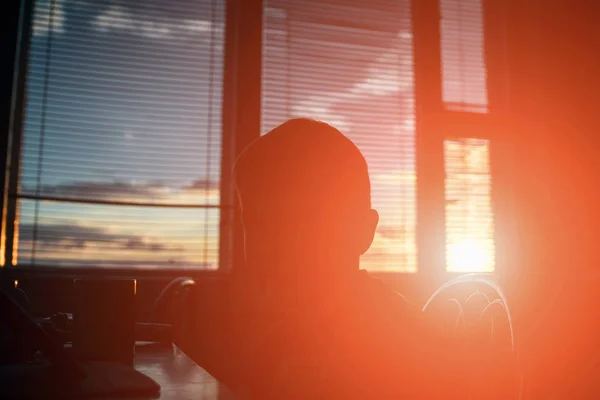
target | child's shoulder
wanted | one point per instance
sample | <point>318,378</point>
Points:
<point>381,295</point>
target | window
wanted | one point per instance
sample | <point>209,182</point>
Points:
<point>122,141</point>
<point>349,63</point>
<point>469,216</point>
<point>469,222</point>
<point>121,156</point>
<point>464,85</point>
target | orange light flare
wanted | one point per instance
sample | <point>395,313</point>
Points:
<point>470,255</point>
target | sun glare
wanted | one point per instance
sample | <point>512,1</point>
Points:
<point>469,255</point>
<point>469,217</point>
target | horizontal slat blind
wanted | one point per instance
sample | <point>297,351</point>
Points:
<point>469,218</point>
<point>463,64</point>
<point>349,63</point>
<point>122,137</point>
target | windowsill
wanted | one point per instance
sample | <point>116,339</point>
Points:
<point>50,288</point>
<point>36,272</point>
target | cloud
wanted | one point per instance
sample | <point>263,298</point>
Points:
<point>319,108</point>
<point>393,232</point>
<point>91,262</point>
<point>104,190</point>
<point>387,82</point>
<point>76,236</point>
<point>138,243</point>
<point>201,191</point>
<point>393,249</point>
<point>380,260</point>
<point>121,19</point>
<point>203,184</point>
<point>395,178</point>
<point>41,18</point>
<point>385,78</point>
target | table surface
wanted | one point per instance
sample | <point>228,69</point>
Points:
<point>178,376</point>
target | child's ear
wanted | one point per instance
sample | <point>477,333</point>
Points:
<point>365,233</point>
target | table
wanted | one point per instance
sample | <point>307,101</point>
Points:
<point>178,376</point>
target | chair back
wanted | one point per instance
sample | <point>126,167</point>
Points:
<point>474,309</point>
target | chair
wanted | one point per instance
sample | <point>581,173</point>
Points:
<point>473,307</point>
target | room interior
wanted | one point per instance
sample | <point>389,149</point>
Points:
<point>515,78</point>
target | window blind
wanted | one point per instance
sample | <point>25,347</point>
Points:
<point>349,63</point>
<point>469,218</point>
<point>122,135</point>
<point>464,86</point>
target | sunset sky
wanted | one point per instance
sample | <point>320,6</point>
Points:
<point>131,111</point>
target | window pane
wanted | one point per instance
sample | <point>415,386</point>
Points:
<point>123,106</point>
<point>88,235</point>
<point>469,216</point>
<point>463,64</point>
<point>349,63</point>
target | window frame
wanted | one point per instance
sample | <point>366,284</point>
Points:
<point>436,124</point>
<point>429,141</point>
<point>15,127</point>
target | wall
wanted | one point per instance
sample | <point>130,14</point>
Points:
<point>554,258</point>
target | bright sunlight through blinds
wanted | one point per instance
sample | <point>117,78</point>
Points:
<point>349,63</point>
<point>469,218</point>
<point>122,137</point>
<point>469,222</point>
<point>463,65</point>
